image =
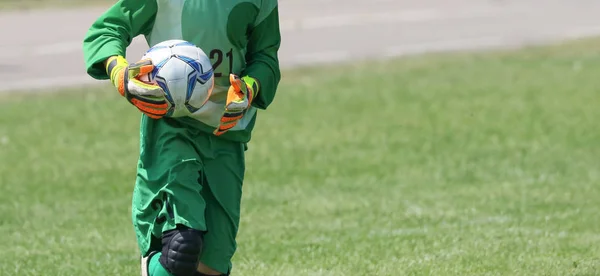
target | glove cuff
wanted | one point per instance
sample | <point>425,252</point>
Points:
<point>113,63</point>
<point>252,83</point>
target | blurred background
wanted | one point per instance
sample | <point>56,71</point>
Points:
<point>314,31</point>
<point>429,137</point>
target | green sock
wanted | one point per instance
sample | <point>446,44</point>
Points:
<point>155,268</point>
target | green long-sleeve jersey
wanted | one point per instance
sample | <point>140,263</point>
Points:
<point>239,36</point>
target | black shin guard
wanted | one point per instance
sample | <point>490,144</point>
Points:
<point>181,250</point>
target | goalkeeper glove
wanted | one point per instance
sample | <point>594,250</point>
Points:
<point>239,98</point>
<point>148,98</point>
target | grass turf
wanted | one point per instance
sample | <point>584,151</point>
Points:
<point>451,164</point>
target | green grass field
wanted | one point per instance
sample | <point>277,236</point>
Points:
<point>447,164</point>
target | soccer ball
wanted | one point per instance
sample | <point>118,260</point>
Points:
<point>185,74</point>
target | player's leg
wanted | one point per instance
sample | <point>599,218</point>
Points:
<point>167,208</point>
<point>222,191</point>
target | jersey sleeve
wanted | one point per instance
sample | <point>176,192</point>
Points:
<point>262,55</point>
<point>113,32</point>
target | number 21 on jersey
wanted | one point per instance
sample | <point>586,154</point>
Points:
<point>217,55</point>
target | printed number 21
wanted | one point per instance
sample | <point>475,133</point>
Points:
<point>218,54</point>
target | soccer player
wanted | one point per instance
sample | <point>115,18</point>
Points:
<point>186,199</point>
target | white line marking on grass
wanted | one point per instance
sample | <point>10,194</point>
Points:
<point>369,18</point>
<point>583,32</point>
<point>51,83</point>
<point>445,45</point>
<point>392,16</point>
<point>326,56</point>
<point>309,23</point>
<point>332,21</point>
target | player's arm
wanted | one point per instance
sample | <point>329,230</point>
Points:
<point>262,57</point>
<point>261,77</point>
<point>104,48</point>
<point>113,31</point>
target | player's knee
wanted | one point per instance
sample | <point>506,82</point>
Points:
<point>181,250</point>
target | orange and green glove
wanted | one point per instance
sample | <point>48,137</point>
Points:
<point>239,98</point>
<point>148,98</point>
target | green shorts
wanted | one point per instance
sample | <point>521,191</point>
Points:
<point>188,177</point>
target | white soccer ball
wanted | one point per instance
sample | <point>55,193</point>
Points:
<point>184,72</point>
